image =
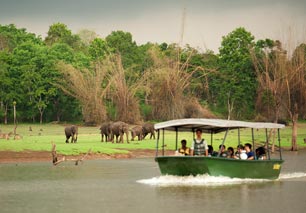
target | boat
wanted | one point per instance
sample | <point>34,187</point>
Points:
<point>216,165</point>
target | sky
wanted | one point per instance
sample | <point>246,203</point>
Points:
<point>206,21</point>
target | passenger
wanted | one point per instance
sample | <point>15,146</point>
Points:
<point>222,151</point>
<point>230,152</point>
<point>240,153</point>
<point>199,146</point>
<point>184,150</point>
<point>211,151</point>
<point>239,148</point>
<point>261,153</point>
<point>248,149</point>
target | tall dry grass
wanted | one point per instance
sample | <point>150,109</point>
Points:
<point>106,81</point>
<point>123,92</point>
<point>89,87</point>
<point>169,82</point>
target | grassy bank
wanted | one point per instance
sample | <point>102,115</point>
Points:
<point>41,136</point>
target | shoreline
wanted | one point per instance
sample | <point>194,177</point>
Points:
<point>44,156</point>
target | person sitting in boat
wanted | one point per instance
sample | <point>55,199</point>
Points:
<point>222,151</point>
<point>248,149</point>
<point>240,153</point>
<point>184,150</point>
<point>261,153</point>
<point>211,151</point>
<point>199,146</point>
<point>230,152</point>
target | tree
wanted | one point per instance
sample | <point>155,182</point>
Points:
<point>30,61</point>
<point>283,78</point>
<point>269,60</point>
<point>122,43</point>
<point>7,93</point>
<point>10,39</point>
<point>237,78</point>
<point>87,36</point>
<point>98,49</point>
<point>59,33</point>
<point>296,88</point>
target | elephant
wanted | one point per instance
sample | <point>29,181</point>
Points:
<point>117,129</point>
<point>148,128</point>
<point>105,131</point>
<point>136,132</point>
<point>71,131</point>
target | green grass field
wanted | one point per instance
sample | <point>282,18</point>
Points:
<point>89,138</point>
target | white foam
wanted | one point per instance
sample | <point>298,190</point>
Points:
<point>287,176</point>
<point>200,180</point>
<point>206,180</point>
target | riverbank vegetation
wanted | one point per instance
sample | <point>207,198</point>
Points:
<point>69,76</point>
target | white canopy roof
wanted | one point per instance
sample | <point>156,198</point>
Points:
<point>213,125</point>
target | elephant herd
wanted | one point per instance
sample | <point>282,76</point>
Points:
<point>111,130</point>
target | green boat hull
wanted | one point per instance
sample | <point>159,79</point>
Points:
<point>214,166</point>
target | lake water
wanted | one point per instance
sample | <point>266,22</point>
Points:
<point>135,185</point>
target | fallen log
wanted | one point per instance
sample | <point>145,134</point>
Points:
<point>56,161</point>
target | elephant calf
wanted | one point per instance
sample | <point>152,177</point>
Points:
<point>136,132</point>
<point>71,131</point>
<point>148,128</point>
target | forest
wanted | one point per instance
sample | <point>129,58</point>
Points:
<point>81,77</point>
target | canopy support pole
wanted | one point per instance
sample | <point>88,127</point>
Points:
<point>267,144</point>
<point>163,142</point>
<point>253,141</point>
<point>193,133</point>
<point>157,142</point>
<point>176,137</point>
<point>223,141</point>
<point>239,136</point>
<point>279,145</point>
<point>211,137</point>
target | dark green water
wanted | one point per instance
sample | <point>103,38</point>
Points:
<point>135,185</point>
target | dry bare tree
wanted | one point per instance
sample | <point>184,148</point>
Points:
<point>89,87</point>
<point>283,77</point>
<point>296,89</point>
<point>270,65</point>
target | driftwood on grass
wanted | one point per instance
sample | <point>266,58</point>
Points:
<point>57,161</point>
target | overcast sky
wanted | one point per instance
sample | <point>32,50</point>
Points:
<point>159,20</point>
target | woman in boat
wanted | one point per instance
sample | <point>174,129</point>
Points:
<point>184,150</point>
<point>211,151</point>
<point>199,146</point>
<point>222,151</point>
<point>230,152</point>
<point>261,153</point>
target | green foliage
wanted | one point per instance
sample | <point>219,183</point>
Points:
<point>98,48</point>
<point>236,83</point>
<point>225,82</point>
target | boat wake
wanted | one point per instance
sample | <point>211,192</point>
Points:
<point>206,180</point>
<point>288,176</point>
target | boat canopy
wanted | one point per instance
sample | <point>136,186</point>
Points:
<point>212,125</point>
